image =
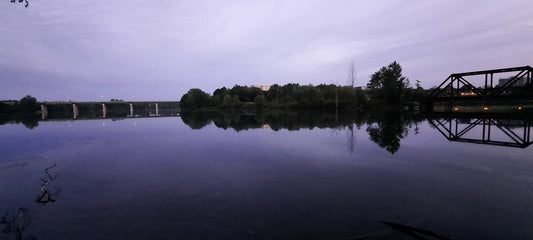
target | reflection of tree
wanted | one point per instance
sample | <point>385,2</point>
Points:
<point>29,120</point>
<point>30,123</point>
<point>196,120</point>
<point>276,120</point>
<point>388,130</point>
<point>358,122</point>
<point>351,138</point>
<point>385,128</point>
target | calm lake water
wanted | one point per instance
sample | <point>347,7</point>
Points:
<point>278,176</point>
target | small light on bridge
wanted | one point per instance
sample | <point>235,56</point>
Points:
<point>485,108</point>
<point>520,108</point>
<point>456,109</point>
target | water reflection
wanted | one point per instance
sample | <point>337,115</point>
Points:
<point>30,121</point>
<point>275,183</point>
<point>489,130</point>
<point>385,128</point>
<point>388,129</point>
<point>276,121</point>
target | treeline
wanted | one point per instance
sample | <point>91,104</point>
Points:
<point>387,87</point>
<point>27,104</point>
<point>277,97</point>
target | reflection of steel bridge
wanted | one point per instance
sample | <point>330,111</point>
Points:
<point>456,129</point>
<point>457,87</point>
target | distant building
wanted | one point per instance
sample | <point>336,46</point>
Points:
<point>262,87</point>
<point>520,82</point>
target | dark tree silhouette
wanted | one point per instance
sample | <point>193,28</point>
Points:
<point>388,85</point>
<point>28,104</point>
<point>195,99</point>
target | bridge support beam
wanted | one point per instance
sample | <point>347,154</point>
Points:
<point>156,109</point>
<point>44,112</point>
<point>75,111</point>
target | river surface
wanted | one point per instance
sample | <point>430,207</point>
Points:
<point>282,176</point>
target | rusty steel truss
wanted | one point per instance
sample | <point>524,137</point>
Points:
<point>456,87</point>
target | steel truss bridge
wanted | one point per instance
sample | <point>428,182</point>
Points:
<point>456,88</point>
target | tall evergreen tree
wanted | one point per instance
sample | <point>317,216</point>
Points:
<point>388,85</point>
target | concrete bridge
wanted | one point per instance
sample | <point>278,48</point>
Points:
<point>104,109</point>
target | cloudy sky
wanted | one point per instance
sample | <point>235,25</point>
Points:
<point>157,50</point>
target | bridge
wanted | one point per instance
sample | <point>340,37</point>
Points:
<point>109,109</point>
<point>479,92</point>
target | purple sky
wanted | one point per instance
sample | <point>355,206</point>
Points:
<point>157,50</point>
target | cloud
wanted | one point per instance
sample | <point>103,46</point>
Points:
<point>145,45</point>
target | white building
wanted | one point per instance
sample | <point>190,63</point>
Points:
<point>262,87</point>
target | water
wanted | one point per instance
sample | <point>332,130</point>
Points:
<point>265,176</point>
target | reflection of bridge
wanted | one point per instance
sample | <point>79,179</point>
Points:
<point>109,109</point>
<point>485,130</point>
<point>456,91</point>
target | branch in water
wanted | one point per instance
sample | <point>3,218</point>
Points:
<point>20,1</point>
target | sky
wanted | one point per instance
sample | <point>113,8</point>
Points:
<point>157,50</point>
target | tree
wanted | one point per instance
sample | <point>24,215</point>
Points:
<point>227,102</point>
<point>387,85</point>
<point>260,101</point>
<point>218,95</point>
<point>195,99</point>
<point>352,74</point>
<point>28,104</point>
<point>351,77</point>
<point>419,92</point>
<point>245,93</point>
<point>309,97</point>
<point>236,101</point>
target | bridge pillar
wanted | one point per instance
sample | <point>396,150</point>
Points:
<point>75,111</point>
<point>156,109</point>
<point>104,110</point>
<point>131,109</point>
<point>44,112</point>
